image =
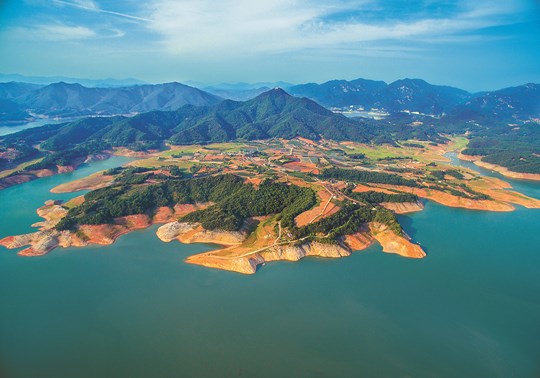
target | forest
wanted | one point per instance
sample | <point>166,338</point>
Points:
<point>234,201</point>
<point>353,175</point>
<point>348,220</point>
<point>373,197</point>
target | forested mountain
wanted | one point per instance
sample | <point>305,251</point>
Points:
<point>235,93</point>
<point>415,95</point>
<point>272,114</point>
<point>407,94</point>
<point>340,93</point>
<point>11,111</point>
<point>420,96</point>
<point>521,102</point>
<point>46,80</point>
<point>69,100</point>
<point>13,90</point>
<point>19,100</point>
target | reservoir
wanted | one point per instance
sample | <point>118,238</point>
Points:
<point>471,308</point>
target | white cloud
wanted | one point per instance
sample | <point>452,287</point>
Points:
<point>61,32</point>
<point>197,27</point>
<point>53,32</point>
<point>92,6</point>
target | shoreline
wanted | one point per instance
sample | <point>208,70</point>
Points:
<point>265,240</point>
<point>27,176</point>
<point>231,253</point>
<point>477,160</point>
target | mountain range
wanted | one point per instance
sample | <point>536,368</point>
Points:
<point>407,94</point>
<point>74,100</point>
<point>21,101</point>
<point>46,80</point>
<point>272,114</point>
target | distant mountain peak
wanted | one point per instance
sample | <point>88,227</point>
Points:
<point>274,93</point>
<point>410,82</point>
<point>63,84</point>
<point>64,99</point>
<point>279,91</point>
<point>400,95</point>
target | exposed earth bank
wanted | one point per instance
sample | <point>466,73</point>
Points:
<point>237,260</point>
<point>499,169</point>
<point>48,238</point>
<point>230,258</point>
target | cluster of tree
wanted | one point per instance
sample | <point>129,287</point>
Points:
<point>129,178</point>
<point>413,145</point>
<point>234,201</point>
<point>524,162</point>
<point>176,171</point>
<point>374,197</point>
<point>358,176</point>
<point>61,158</point>
<point>466,192</point>
<point>439,175</point>
<point>101,206</point>
<point>348,220</point>
<point>405,170</point>
<point>517,149</point>
<point>12,155</point>
<point>232,210</point>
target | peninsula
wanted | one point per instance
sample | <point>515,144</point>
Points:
<point>268,200</point>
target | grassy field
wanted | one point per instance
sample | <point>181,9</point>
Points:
<point>213,148</point>
<point>373,151</point>
<point>377,152</point>
<point>458,143</point>
<point>156,163</point>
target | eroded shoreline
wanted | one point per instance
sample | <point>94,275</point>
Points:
<point>243,251</point>
<point>477,160</point>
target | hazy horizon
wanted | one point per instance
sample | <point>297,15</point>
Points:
<point>130,81</point>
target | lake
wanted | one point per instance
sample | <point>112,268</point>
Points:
<point>471,308</point>
<point>5,129</point>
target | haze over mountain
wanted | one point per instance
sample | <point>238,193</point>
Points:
<point>70,100</point>
<point>407,94</point>
<point>18,101</point>
<point>240,91</point>
<point>45,80</point>
<point>519,102</point>
<point>236,94</point>
<point>414,95</point>
<point>276,114</point>
<point>272,114</point>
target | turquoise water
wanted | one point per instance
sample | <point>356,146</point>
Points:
<point>527,187</point>
<point>135,309</point>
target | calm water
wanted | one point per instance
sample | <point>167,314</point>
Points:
<point>4,129</point>
<point>135,309</point>
<point>524,186</point>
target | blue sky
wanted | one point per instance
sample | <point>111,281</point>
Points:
<point>472,44</point>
